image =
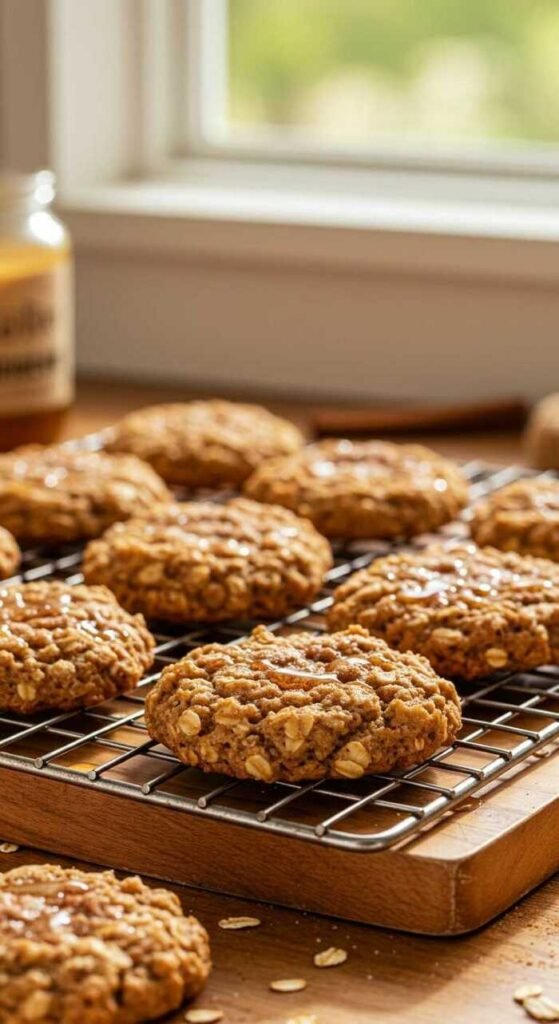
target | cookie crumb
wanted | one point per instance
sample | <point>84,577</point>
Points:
<point>466,805</point>
<point>288,985</point>
<point>331,957</point>
<point>236,924</point>
<point>8,848</point>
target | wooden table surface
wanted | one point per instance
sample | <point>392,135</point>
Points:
<point>388,977</point>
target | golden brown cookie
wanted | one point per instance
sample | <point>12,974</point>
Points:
<point>522,517</point>
<point>364,488</point>
<point>82,947</point>
<point>302,707</point>
<point>57,494</point>
<point>469,610</point>
<point>67,647</point>
<point>205,444</point>
<point>10,554</point>
<point>205,562</point>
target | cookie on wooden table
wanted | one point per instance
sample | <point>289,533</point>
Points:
<point>206,562</point>
<point>523,517</point>
<point>355,489</point>
<point>67,647</point>
<point>82,947</point>
<point>471,611</point>
<point>207,443</point>
<point>10,554</point>
<point>302,707</point>
<point>58,494</point>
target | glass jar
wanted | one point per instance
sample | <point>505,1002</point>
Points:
<point>36,312</point>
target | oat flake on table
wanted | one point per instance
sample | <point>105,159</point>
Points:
<point>237,923</point>
<point>331,957</point>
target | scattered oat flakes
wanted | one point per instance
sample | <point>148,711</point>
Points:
<point>541,1008</point>
<point>525,991</point>
<point>288,985</point>
<point>237,923</point>
<point>330,957</point>
<point>203,1016</point>
<point>8,848</point>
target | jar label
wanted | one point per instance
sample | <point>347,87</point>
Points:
<point>36,341</point>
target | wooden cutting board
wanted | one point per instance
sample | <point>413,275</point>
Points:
<point>451,879</point>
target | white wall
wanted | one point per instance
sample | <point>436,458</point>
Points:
<point>316,332</point>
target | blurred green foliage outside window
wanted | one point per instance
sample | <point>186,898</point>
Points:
<point>429,72</point>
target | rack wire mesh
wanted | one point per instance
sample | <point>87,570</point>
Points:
<point>507,718</point>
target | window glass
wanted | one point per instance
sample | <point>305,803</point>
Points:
<point>434,73</point>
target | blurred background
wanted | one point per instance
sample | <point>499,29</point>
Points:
<point>395,71</point>
<point>352,200</point>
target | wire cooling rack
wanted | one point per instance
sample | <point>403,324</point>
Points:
<point>507,718</point>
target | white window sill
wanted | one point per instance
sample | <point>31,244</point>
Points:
<point>477,230</point>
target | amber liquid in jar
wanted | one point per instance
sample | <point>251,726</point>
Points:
<point>36,314</point>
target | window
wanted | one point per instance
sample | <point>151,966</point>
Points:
<point>377,178</point>
<point>403,80</point>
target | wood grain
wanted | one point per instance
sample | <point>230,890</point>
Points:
<point>391,977</point>
<point>452,879</point>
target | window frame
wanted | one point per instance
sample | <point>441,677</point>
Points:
<point>181,255</point>
<point>133,161</point>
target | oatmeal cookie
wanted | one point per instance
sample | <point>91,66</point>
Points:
<point>9,554</point>
<point>67,647</point>
<point>469,610</point>
<point>205,444</point>
<point>522,517</point>
<point>302,707</point>
<point>82,947</point>
<point>204,562</point>
<point>364,488</point>
<point>57,494</point>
